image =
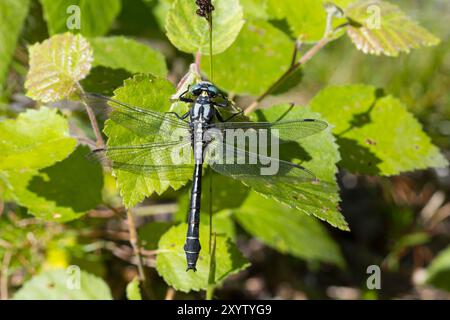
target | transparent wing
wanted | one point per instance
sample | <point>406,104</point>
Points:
<point>289,181</point>
<point>161,160</point>
<point>246,165</point>
<point>285,130</point>
<point>141,121</point>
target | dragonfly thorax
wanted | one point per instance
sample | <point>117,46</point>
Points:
<point>202,111</point>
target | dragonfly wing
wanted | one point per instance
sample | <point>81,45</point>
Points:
<point>285,130</point>
<point>168,161</point>
<point>142,121</point>
<point>288,182</point>
<point>243,164</point>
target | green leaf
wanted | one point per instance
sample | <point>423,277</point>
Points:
<point>171,261</point>
<point>379,27</point>
<point>36,139</point>
<point>377,135</point>
<point>128,54</point>
<point>438,273</point>
<point>12,16</point>
<point>96,17</point>
<point>56,67</point>
<point>306,18</point>
<point>147,92</point>
<point>150,233</point>
<point>260,55</point>
<point>104,80</point>
<point>62,192</point>
<point>190,33</point>
<point>60,284</point>
<point>317,153</point>
<point>133,290</point>
<point>255,9</point>
<point>287,230</point>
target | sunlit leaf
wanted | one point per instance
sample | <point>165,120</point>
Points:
<point>306,18</point>
<point>260,55</point>
<point>95,17</point>
<point>255,9</point>
<point>62,192</point>
<point>438,273</point>
<point>379,27</point>
<point>171,261</point>
<point>190,33</point>
<point>133,290</point>
<point>287,230</point>
<point>36,139</point>
<point>147,92</point>
<point>56,67</point>
<point>377,135</point>
<point>59,284</point>
<point>128,54</point>
<point>317,153</point>
<point>12,16</point>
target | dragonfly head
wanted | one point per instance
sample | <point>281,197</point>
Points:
<point>205,88</point>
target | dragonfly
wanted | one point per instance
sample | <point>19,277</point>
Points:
<point>207,104</point>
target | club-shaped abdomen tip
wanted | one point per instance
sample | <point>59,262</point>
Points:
<point>192,248</point>
<point>191,267</point>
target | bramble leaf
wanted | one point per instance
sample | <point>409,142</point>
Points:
<point>379,27</point>
<point>260,55</point>
<point>171,261</point>
<point>287,230</point>
<point>146,92</point>
<point>59,284</point>
<point>62,192</point>
<point>438,273</point>
<point>190,33</point>
<point>317,153</point>
<point>35,140</point>
<point>95,17</point>
<point>377,135</point>
<point>12,16</point>
<point>127,54</point>
<point>56,67</point>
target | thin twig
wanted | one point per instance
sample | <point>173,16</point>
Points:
<point>137,252</point>
<point>4,275</point>
<point>98,135</point>
<point>198,59</point>
<point>170,294</point>
<point>294,66</point>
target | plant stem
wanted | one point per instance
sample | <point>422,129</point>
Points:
<point>98,135</point>
<point>135,245</point>
<point>212,270</point>
<point>210,48</point>
<point>170,294</point>
<point>294,66</point>
<point>210,212</point>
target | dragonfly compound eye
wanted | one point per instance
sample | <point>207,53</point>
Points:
<point>213,91</point>
<point>197,89</point>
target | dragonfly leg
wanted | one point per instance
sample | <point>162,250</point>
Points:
<point>184,99</point>
<point>184,116</point>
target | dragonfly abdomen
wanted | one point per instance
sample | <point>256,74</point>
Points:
<point>192,246</point>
